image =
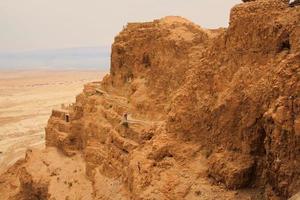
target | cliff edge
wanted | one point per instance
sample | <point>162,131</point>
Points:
<point>185,113</point>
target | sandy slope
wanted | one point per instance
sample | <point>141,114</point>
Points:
<point>26,101</point>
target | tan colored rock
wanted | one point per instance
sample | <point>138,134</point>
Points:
<point>295,197</point>
<point>234,169</point>
<point>223,102</point>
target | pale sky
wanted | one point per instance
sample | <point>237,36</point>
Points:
<point>48,24</point>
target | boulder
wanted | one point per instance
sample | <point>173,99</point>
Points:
<point>232,169</point>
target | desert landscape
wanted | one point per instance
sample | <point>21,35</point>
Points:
<point>185,113</point>
<point>26,101</point>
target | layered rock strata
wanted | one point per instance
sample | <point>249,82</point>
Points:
<point>212,114</point>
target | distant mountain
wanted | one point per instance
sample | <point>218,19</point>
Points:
<point>69,58</point>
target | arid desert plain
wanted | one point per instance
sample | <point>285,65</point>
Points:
<point>26,101</point>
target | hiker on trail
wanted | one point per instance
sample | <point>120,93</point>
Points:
<point>125,115</point>
<point>125,119</point>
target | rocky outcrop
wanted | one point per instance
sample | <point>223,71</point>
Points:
<point>234,169</point>
<point>47,175</point>
<point>210,112</point>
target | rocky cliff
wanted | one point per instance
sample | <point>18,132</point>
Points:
<point>212,114</point>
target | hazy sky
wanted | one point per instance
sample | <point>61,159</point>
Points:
<point>44,24</point>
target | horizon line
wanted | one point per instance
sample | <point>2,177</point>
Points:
<point>51,48</point>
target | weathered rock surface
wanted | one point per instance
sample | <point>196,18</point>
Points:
<point>234,169</point>
<point>213,114</point>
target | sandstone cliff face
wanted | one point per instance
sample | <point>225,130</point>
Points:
<point>251,67</point>
<point>213,114</point>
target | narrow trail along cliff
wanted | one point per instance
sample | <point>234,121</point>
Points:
<point>213,114</point>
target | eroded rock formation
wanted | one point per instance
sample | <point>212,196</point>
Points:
<point>213,114</point>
